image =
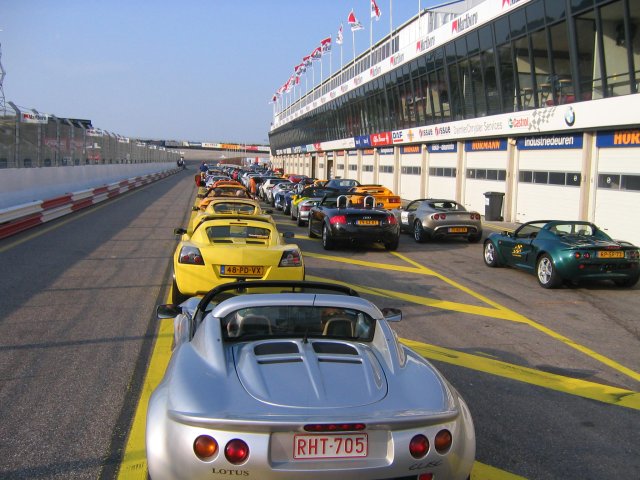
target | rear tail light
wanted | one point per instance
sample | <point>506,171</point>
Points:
<point>291,258</point>
<point>305,208</point>
<point>419,446</point>
<point>443,441</point>
<point>205,447</point>
<point>392,220</point>
<point>335,427</point>
<point>425,476</point>
<point>236,451</point>
<point>338,220</point>
<point>440,216</point>
<point>191,256</point>
<point>475,216</point>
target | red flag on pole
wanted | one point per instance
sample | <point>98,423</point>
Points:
<point>375,11</point>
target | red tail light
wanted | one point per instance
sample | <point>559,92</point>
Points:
<point>440,216</point>
<point>291,258</point>
<point>475,216</point>
<point>419,446</point>
<point>338,220</point>
<point>236,451</point>
<point>205,447</point>
<point>191,256</point>
<point>443,441</point>
<point>392,220</point>
<point>305,208</point>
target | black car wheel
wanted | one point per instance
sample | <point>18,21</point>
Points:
<point>177,297</point>
<point>392,245</point>
<point>627,282</point>
<point>293,215</point>
<point>490,255</point>
<point>546,271</point>
<point>327,241</point>
<point>419,235</point>
<point>299,220</point>
<point>311,232</point>
<point>286,209</point>
<point>475,238</point>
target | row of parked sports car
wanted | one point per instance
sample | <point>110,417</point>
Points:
<point>289,379</point>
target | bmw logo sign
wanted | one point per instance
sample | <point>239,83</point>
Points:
<point>570,117</point>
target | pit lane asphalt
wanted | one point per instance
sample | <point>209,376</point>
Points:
<point>77,333</point>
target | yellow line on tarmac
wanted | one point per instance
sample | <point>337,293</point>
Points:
<point>134,461</point>
<point>560,383</point>
<point>500,311</point>
<point>480,471</point>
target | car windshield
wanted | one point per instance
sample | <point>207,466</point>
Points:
<point>234,208</point>
<point>578,229</point>
<point>446,205</point>
<point>297,322</point>
<point>233,233</point>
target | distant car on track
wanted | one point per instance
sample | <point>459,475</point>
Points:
<point>557,251</point>
<point>434,218</point>
<point>300,380</point>
<point>337,219</point>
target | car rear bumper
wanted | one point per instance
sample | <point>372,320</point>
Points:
<point>352,233</point>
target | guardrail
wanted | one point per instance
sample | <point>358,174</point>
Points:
<point>19,218</point>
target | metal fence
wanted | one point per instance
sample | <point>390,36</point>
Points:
<point>31,139</point>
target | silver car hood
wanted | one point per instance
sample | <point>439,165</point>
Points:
<point>312,374</point>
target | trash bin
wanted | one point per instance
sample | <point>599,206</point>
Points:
<point>493,206</point>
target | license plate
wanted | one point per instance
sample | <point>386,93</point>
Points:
<point>458,230</point>
<point>610,254</point>
<point>367,222</point>
<point>241,270</point>
<point>306,447</point>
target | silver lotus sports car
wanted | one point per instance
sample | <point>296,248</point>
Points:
<point>300,380</point>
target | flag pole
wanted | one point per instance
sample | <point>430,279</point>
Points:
<point>353,36</point>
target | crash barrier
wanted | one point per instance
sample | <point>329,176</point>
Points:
<point>19,218</point>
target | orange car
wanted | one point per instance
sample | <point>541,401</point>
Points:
<point>237,191</point>
<point>384,197</point>
<point>224,183</point>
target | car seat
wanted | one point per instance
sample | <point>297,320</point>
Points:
<point>339,327</point>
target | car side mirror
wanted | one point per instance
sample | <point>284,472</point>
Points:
<point>168,311</point>
<point>179,231</point>
<point>392,314</point>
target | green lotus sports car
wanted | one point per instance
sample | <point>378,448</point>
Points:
<point>564,251</point>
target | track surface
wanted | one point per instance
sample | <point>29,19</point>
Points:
<point>551,377</point>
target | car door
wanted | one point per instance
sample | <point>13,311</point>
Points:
<point>518,249</point>
<point>408,215</point>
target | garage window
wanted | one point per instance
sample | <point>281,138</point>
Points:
<point>526,176</point>
<point>630,182</point>
<point>540,177</point>
<point>556,178</point>
<point>606,180</point>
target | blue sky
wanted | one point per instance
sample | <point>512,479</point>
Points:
<point>183,69</point>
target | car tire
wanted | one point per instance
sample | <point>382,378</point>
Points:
<point>392,246</point>
<point>327,241</point>
<point>299,220</point>
<point>627,282</point>
<point>419,235</point>
<point>546,272</point>
<point>293,215</point>
<point>475,238</point>
<point>177,297</point>
<point>310,231</point>
<point>490,254</point>
<point>286,210</point>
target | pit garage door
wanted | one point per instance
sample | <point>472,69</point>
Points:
<point>486,171</point>
<point>549,178</point>
<point>618,184</point>
<point>410,172</point>
<point>386,160</point>
<point>442,160</point>
<point>366,175</point>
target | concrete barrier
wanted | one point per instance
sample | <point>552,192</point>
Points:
<point>22,217</point>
